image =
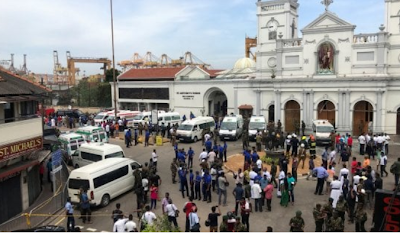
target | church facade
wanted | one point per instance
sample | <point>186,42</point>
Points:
<point>329,73</point>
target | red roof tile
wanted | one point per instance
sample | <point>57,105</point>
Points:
<point>213,73</point>
<point>150,74</point>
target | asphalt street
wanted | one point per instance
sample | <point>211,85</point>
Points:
<point>279,218</point>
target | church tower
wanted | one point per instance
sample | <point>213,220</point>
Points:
<point>276,19</point>
<point>392,17</point>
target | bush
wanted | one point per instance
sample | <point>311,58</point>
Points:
<point>268,160</point>
<point>161,224</point>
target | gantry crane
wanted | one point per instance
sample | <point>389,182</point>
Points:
<point>250,43</point>
<point>58,68</point>
<point>71,65</point>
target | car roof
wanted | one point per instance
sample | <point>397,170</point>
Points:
<point>100,165</point>
<point>70,135</point>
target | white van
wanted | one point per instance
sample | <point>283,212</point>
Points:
<point>322,130</point>
<point>141,118</point>
<point>169,117</point>
<point>257,123</point>
<point>94,152</point>
<point>191,130</point>
<point>93,133</point>
<point>103,116</point>
<point>70,142</point>
<point>104,180</point>
<point>231,127</point>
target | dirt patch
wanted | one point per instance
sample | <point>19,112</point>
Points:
<point>236,161</point>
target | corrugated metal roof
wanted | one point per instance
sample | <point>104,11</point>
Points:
<point>11,84</point>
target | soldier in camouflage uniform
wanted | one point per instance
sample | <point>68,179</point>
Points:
<point>360,217</point>
<point>297,223</point>
<point>319,217</point>
<point>215,135</point>
<point>335,224</point>
<point>342,207</point>
<point>174,170</point>
<point>328,208</point>
<point>239,227</point>
<point>224,224</point>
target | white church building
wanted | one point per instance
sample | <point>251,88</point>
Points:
<point>330,73</point>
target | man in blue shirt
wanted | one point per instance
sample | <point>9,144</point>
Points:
<point>238,192</point>
<point>176,150</point>
<point>191,183</point>
<point>247,156</point>
<point>183,180</point>
<point>254,156</point>
<point>215,149</point>
<point>197,183</point>
<point>322,174</point>
<point>146,139</point>
<point>208,145</point>
<point>69,211</point>
<point>324,157</point>
<point>221,152</point>
<point>207,187</point>
<point>225,150</point>
<point>190,157</point>
<point>181,156</point>
<point>85,206</point>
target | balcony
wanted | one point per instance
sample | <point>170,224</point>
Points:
<point>365,38</point>
<point>292,43</point>
<point>21,128</point>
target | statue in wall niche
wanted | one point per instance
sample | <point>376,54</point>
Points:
<point>326,54</point>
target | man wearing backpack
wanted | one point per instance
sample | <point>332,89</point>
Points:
<point>395,169</point>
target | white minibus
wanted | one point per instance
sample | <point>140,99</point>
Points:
<point>169,117</point>
<point>231,127</point>
<point>93,133</point>
<point>191,130</point>
<point>104,180</point>
<point>94,152</point>
<point>257,123</point>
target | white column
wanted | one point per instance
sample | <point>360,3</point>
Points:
<point>258,102</point>
<point>278,107</point>
<point>339,121</point>
<point>311,108</point>
<point>235,101</point>
<point>378,122</point>
<point>347,110</point>
<point>305,107</point>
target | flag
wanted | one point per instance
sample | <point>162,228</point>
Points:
<point>184,118</point>
<point>192,115</point>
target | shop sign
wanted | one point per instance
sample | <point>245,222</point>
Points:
<point>12,150</point>
<point>188,95</point>
<point>387,211</point>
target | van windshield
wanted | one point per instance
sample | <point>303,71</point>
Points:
<point>74,145</point>
<point>77,183</point>
<point>185,127</point>
<point>118,154</point>
<point>99,116</point>
<point>228,125</point>
<point>256,125</point>
<point>324,129</point>
<point>138,117</point>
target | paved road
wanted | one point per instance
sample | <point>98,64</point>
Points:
<point>278,218</point>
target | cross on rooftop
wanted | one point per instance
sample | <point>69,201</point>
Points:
<point>326,3</point>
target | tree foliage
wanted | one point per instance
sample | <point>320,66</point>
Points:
<point>109,75</point>
<point>161,224</point>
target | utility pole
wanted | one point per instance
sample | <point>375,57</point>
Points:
<point>113,61</point>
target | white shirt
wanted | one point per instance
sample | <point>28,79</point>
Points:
<point>130,226</point>
<point>382,161</point>
<point>145,184</point>
<point>239,178</point>
<point>380,139</point>
<point>203,155</point>
<point>332,155</point>
<point>268,174</point>
<point>336,184</point>
<point>213,173</point>
<point>256,191</point>
<point>343,171</point>
<point>367,138</point>
<point>361,139</point>
<point>154,156</point>
<point>259,164</point>
<point>387,139</point>
<point>207,136</point>
<point>53,122</point>
<point>107,128</point>
<point>149,217</point>
<point>119,225</point>
<point>281,175</point>
<point>171,209</point>
<point>252,174</point>
<point>211,156</point>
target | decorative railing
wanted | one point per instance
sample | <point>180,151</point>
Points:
<point>365,38</point>
<point>289,43</point>
<point>273,7</point>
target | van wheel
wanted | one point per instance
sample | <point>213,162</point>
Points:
<point>105,200</point>
<point>76,166</point>
<point>195,139</point>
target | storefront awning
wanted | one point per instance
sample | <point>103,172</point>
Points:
<point>11,170</point>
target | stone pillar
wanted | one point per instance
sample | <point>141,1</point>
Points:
<point>340,121</point>
<point>235,101</point>
<point>278,107</point>
<point>347,111</point>
<point>378,121</point>
<point>138,106</point>
<point>381,53</point>
<point>304,113</point>
<point>258,102</point>
<point>310,108</point>
<point>279,57</point>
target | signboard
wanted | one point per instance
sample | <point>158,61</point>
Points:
<point>56,158</point>
<point>12,150</point>
<point>387,211</point>
<point>188,95</point>
<point>154,117</point>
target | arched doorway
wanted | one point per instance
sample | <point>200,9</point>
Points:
<point>217,103</point>
<point>271,113</point>
<point>292,116</point>
<point>362,117</point>
<point>398,122</point>
<point>326,111</point>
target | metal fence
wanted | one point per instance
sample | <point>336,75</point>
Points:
<point>44,211</point>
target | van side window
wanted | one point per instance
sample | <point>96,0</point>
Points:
<point>91,157</point>
<point>203,126</point>
<point>111,176</point>
<point>118,154</point>
<point>167,118</point>
<point>211,124</point>
<point>135,166</point>
<point>176,118</point>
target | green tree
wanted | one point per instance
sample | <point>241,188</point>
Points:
<point>109,75</point>
<point>161,224</point>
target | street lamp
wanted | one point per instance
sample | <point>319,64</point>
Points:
<point>113,60</point>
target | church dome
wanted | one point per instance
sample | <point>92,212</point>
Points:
<point>244,63</point>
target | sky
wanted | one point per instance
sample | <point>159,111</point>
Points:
<point>213,30</point>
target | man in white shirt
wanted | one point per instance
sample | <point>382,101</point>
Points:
<point>207,136</point>
<point>382,163</point>
<point>259,164</point>
<point>343,171</point>
<point>332,156</point>
<point>119,225</point>
<point>266,173</point>
<point>252,175</point>
<point>256,195</point>
<point>108,130</point>
<point>130,225</point>
<point>149,216</point>
<point>203,155</point>
<point>154,156</point>
<point>211,157</point>
<point>171,212</point>
<point>53,122</point>
<point>387,139</point>
<point>361,140</point>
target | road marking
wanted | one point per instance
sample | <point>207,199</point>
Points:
<point>91,229</point>
<point>62,219</point>
<point>81,227</point>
